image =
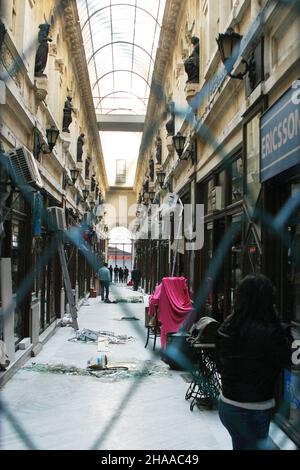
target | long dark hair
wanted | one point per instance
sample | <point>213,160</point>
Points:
<point>254,303</point>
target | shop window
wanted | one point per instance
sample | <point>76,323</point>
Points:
<point>236,257</point>
<point>237,181</point>
<point>17,261</point>
<point>253,185</point>
<point>291,394</point>
<point>252,255</point>
<point>209,194</point>
<point>210,242</point>
<point>209,246</point>
<point>222,189</point>
<point>18,202</point>
<point>293,271</point>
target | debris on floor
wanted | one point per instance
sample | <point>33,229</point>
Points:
<point>91,336</point>
<point>97,363</point>
<point>112,372</point>
<point>66,321</point>
<point>85,335</point>
<point>129,300</point>
<point>127,318</point>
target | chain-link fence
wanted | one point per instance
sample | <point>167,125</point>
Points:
<point>275,223</point>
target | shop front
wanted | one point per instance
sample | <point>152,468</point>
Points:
<point>221,193</point>
<point>48,281</point>
<point>280,174</point>
<point>16,245</point>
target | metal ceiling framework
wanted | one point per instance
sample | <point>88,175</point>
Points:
<point>120,39</point>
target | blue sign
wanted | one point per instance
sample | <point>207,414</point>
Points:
<point>280,135</point>
<point>37,215</point>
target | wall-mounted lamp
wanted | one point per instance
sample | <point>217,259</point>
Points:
<point>85,193</point>
<point>228,45</point>
<point>179,143</point>
<point>161,178</point>
<point>74,175</point>
<point>52,135</point>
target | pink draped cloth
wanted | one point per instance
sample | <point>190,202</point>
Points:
<point>174,304</point>
<point>154,300</point>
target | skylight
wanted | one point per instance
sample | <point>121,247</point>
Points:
<point>120,39</point>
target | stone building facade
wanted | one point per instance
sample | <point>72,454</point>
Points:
<point>240,168</point>
<point>44,85</point>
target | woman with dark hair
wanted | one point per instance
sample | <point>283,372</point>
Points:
<point>252,350</point>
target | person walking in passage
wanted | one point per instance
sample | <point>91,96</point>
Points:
<point>104,278</point>
<point>116,274</point>
<point>121,272</point>
<point>125,275</point>
<point>252,349</point>
<point>111,270</point>
<point>136,277</point>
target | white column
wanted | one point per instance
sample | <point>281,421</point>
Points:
<point>7,300</point>
<point>62,302</point>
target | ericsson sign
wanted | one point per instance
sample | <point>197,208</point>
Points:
<point>280,135</point>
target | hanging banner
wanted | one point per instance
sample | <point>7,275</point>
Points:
<point>280,135</point>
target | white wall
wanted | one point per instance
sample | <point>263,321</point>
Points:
<point>123,146</point>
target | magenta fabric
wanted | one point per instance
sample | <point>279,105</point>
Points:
<point>154,300</point>
<point>174,306</point>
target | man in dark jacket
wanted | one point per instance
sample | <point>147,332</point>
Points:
<point>252,350</point>
<point>136,277</point>
<point>116,274</point>
<point>126,273</point>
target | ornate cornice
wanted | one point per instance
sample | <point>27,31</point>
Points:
<point>75,43</point>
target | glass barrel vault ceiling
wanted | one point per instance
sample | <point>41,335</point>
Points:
<point>120,39</point>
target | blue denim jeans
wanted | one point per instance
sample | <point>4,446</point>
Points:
<point>249,429</point>
<point>104,285</point>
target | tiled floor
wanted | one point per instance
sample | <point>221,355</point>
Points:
<point>79,412</point>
